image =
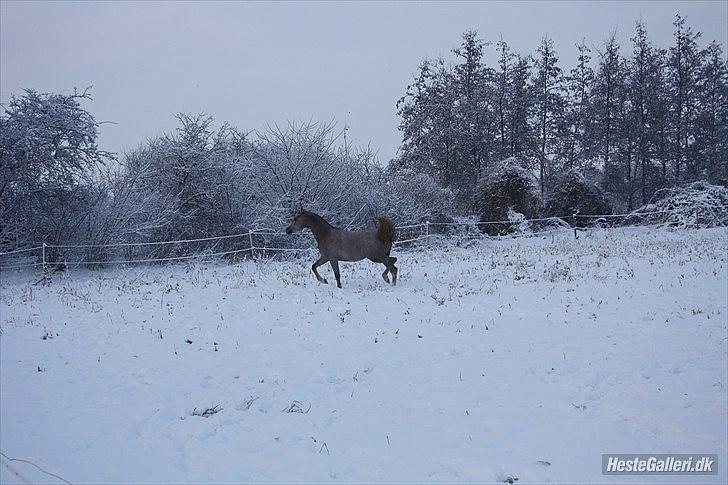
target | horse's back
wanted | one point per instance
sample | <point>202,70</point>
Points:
<point>354,245</point>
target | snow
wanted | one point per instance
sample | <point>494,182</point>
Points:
<point>524,357</point>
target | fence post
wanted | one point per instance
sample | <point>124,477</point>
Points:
<point>44,258</point>
<point>427,229</point>
<point>573,223</point>
<point>250,236</point>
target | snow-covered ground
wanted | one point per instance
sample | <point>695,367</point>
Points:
<point>523,357</point>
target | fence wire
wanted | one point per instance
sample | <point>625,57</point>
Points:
<point>252,248</point>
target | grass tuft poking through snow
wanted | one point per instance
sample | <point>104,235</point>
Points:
<point>494,361</point>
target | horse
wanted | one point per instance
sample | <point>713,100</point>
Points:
<point>339,245</point>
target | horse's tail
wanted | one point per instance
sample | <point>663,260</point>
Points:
<point>385,230</point>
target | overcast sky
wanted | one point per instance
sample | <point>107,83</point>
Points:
<point>257,63</point>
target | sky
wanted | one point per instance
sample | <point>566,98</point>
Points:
<point>251,63</point>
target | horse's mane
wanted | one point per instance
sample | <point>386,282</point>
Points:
<point>318,219</point>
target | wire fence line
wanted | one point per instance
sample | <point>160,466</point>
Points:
<point>251,248</point>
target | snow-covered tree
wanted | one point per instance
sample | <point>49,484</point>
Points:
<point>48,156</point>
<point>684,79</point>
<point>549,106</point>
<point>649,112</point>
<point>712,119</point>
<point>578,149</point>
<point>608,90</point>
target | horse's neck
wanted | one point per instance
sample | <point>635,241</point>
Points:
<point>319,227</point>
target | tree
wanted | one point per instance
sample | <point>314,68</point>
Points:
<point>428,123</point>
<point>502,83</point>
<point>578,148</point>
<point>683,74</point>
<point>608,88</point>
<point>548,106</point>
<point>473,117</point>
<point>48,155</point>
<point>520,106</point>
<point>645,86</point>
<point>712,119</point>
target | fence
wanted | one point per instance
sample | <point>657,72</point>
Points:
<point>424,231</point>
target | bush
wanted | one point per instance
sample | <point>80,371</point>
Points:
<point>415,198</point>
<point>695,205</point>
<point>506,192</point>
<point>573,193</point>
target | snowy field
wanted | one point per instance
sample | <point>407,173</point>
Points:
<point>524,358</point>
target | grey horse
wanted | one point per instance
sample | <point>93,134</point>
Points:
<point>339,245</point>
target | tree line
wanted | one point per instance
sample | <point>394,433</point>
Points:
<point>202,179</point>
<point>630,122</point>
<point>521,138</point>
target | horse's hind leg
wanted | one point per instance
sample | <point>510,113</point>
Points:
<point>385,276</point>
<point>335,267</point>
<point>384,260</point>
<point>315,265</point>
<point>392,269</point>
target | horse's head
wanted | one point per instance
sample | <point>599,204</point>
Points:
<point>298,223</point>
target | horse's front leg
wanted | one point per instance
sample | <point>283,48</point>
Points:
<point>315,265</point>
<point>335,267</point>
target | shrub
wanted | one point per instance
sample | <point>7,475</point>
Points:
<point>504,193</point>
<point>695,205</point>
<point>573,193</point>
<point>415,197</point>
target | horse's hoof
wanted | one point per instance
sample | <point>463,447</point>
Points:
<point>324,281</point>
